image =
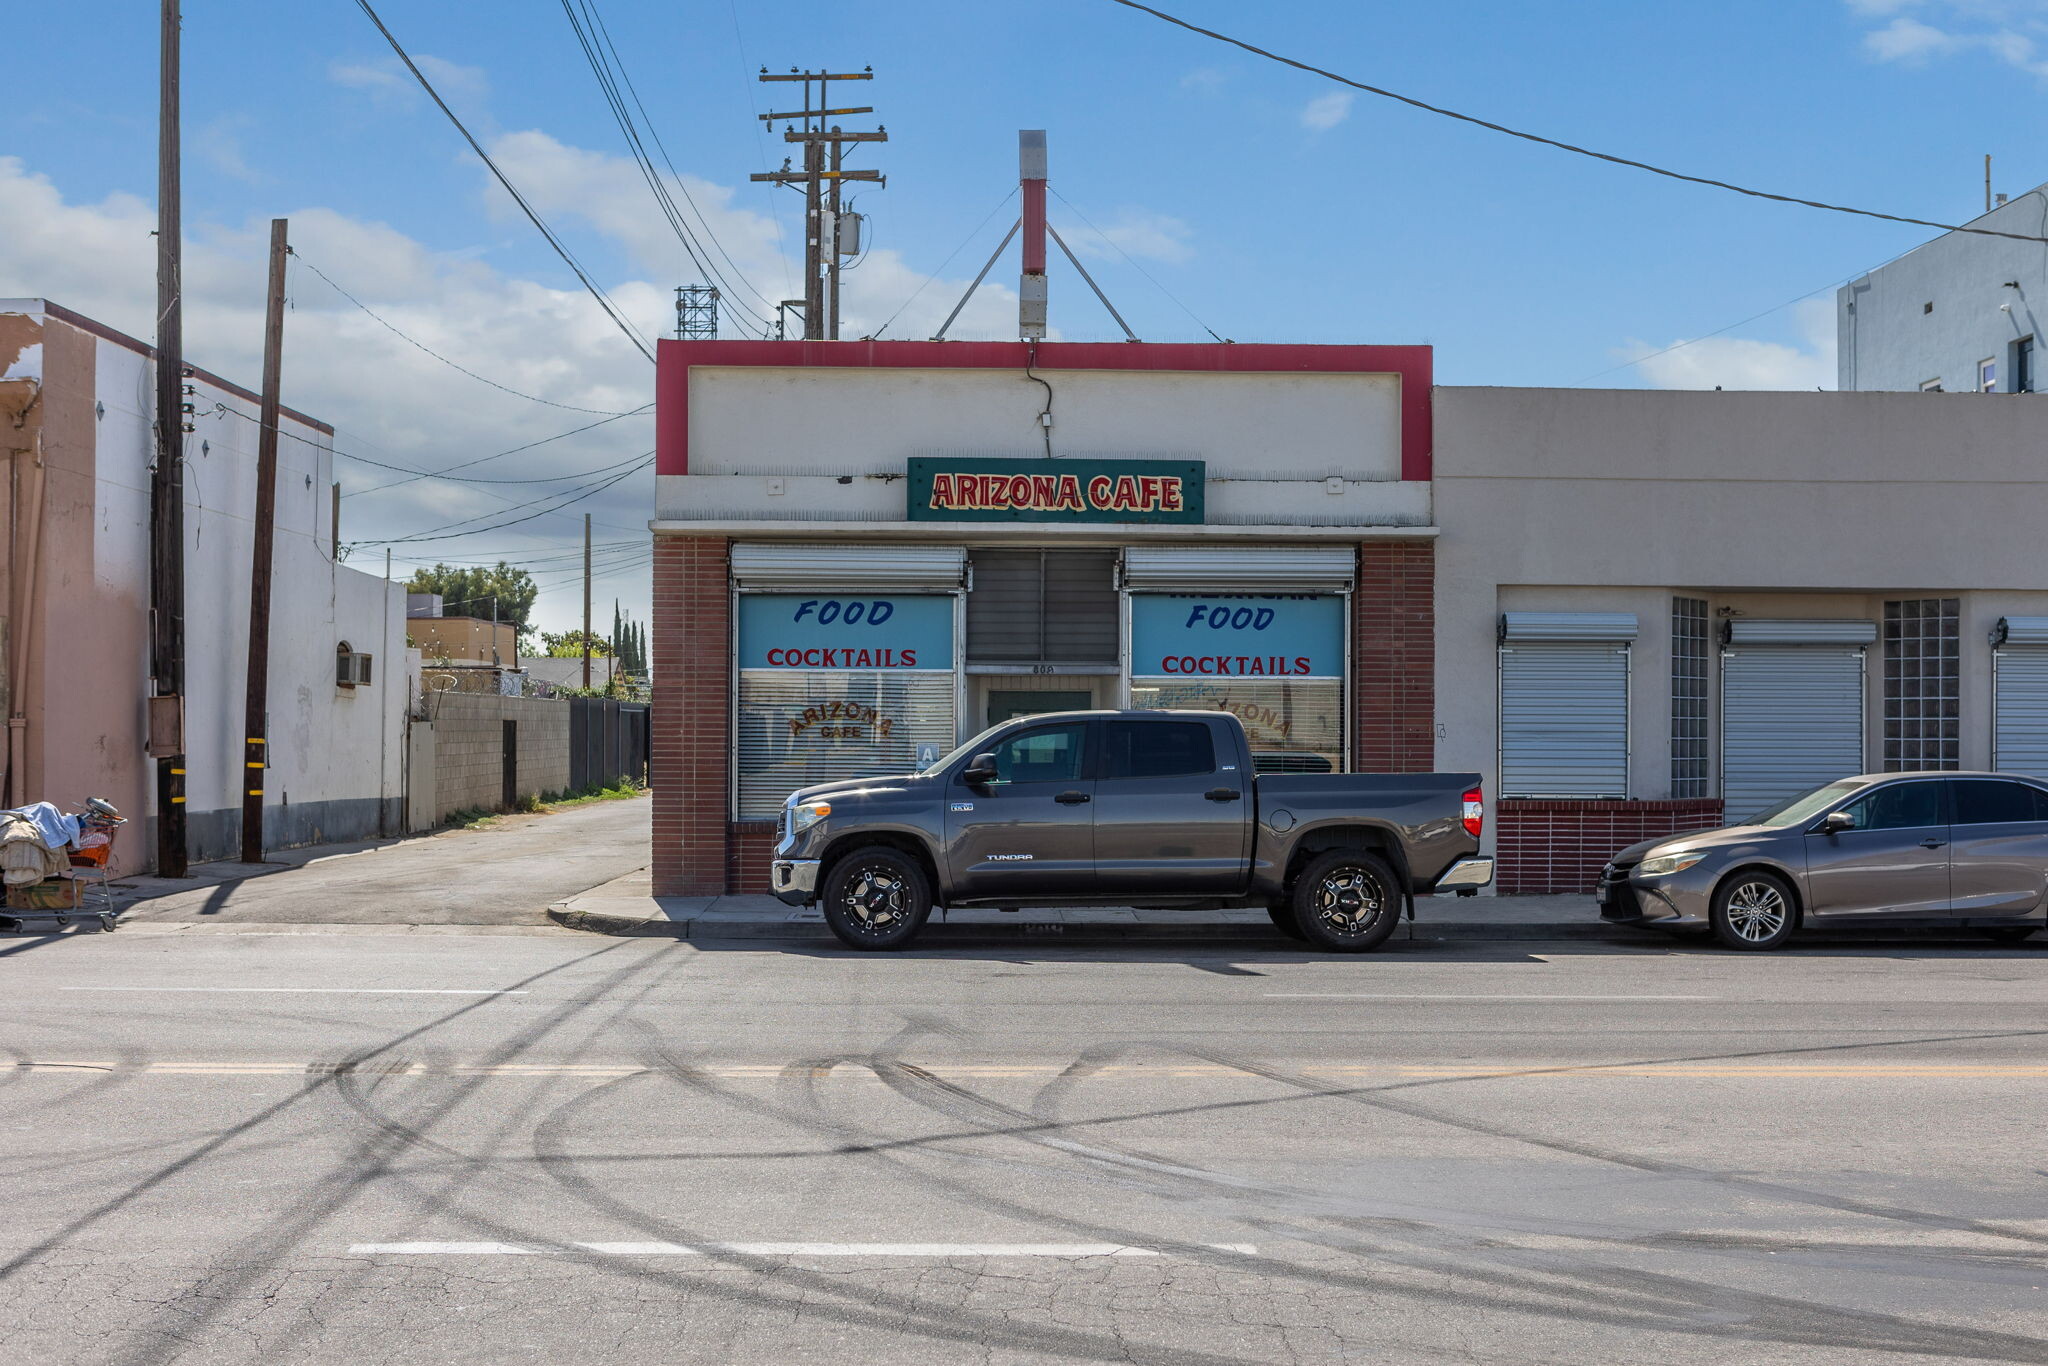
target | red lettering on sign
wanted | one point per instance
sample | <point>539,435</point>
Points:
<point>1169,494</point>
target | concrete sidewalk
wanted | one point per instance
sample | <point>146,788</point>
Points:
<point>627,906</point>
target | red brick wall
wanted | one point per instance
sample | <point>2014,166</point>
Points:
<point>692,643</point>
<point>1559,846</point>
<point>1393,661</point>
<point>746,866</point>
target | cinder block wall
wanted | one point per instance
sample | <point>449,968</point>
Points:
<point>469,748</point>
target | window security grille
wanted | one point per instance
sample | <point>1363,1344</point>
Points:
<point>1689,656</point>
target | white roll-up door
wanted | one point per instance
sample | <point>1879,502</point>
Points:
<point>2019,722</point>
<point>1564,718</point>
<point>1791,719</point>
<point>1240,569</point>
<point>889,568</point>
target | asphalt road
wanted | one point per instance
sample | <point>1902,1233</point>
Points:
<point>314,1148</point>
<point>503,874</point>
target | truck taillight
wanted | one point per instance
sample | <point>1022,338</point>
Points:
<point>1475,812</point>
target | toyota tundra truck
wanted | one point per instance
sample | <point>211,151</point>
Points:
<point>1157,809</point>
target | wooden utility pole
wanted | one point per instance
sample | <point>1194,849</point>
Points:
<point>586,600</point>
<point>821,178</point>
<point>256,717</point>
<point>167,481</point>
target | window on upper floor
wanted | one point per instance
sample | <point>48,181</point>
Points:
<point>1987,376</point>
<point>1930,386</point>
<point>2023,366</point>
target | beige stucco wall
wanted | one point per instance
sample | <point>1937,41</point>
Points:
<point>464,638</point>
<point>1766,504</point>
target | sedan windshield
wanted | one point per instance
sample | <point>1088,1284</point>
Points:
<point>1807,805</point>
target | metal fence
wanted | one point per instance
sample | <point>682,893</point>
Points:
<point>608,741</point>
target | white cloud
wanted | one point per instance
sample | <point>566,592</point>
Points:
<point>220,143</point>
<point>390,402</point>
<point>2014,32</point>
<point>1205,80</point>
<point>1325,112</point>
<point>1744,362</point>
<point>389,84</point>
<point>1153,236</point>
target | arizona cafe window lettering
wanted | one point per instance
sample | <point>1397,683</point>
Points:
<point>944,489</point>
<point>837,684</point>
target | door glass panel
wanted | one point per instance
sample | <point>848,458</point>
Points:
<point>1986,802</point>
<point>1159,749</point>
<point>1048,755</point>
<point>1904,807</point>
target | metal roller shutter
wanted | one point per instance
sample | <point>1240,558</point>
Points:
<point>1043,606</point>
<point>2019,720</point>
<point>894,568</point>
<point>1568,626</point>
<point>1791,719</point>
<point>1564,719</point>
<point>1240,569</point>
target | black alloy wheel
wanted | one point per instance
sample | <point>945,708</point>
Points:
<point>876,898</point>
<point>1754,912</point>
<point>1283,919</point>
<point>1346,901</point>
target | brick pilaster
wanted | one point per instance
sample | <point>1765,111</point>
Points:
<point>1393,658</point>
<point>692,659</point>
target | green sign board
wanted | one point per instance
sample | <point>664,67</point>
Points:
<point>942,489</point>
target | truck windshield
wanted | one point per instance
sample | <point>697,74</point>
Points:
<point>972,747</point>
<point>1806,805</point>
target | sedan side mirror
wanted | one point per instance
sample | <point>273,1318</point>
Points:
<point>980,771</point>
<point>1835,822</point>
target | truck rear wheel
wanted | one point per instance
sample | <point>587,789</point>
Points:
<point>876,898</point>
<point>1346,901</point>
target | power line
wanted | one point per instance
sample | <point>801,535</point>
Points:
<point>1564,146</point>
<point>577,496</point>
<point>444,471</point>
<point>594,46</point>
<point>562,251</point>
<point>973,233</point>
<point>414,341</point>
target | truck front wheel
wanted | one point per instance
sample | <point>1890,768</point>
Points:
<point>1346,901</point>
<point>876,898</point>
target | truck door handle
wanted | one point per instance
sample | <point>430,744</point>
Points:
<point>1221,794</point>
<point>1071,798</point>
<point>1932,844</point>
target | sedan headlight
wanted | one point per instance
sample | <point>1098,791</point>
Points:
<point>804,815</point>
<point>1665,864</point>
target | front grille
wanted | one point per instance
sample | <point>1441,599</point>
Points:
<point>782,825</point>
<point>1618,900</point>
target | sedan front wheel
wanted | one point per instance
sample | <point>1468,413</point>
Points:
<point>1754,911</point>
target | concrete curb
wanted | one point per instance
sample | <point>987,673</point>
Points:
<point>715,927</point>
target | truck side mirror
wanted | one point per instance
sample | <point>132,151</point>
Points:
<point>980,771</point>
<point>1835,822</point>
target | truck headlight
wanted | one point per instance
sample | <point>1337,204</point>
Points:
<point>1665,864</point>
<point>807,814</point>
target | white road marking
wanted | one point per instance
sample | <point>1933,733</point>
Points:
<point>342,991</point>
<point>1486,996</point>
<point>782,1249</point>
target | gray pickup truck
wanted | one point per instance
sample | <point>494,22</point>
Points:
<point>1128,808</point>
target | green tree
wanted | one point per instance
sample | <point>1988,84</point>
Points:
<point>569,644</point>
<point>469,592</point>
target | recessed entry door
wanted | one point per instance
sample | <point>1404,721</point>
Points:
<point>1004,703</point>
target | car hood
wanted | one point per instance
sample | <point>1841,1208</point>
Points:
<point>1697,839</point>
<point>894,782</point>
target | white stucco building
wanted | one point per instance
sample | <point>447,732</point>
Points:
<point>75,419</point>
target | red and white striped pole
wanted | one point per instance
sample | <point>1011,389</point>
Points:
<point>1031,288</point>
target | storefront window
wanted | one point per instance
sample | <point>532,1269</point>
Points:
<point>835,687</point>
<point>1276,662</point>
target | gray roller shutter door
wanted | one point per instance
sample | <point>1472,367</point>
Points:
<point>887,568</point>
<point>1791,719</point>
<point>1043,606</point>
<point>1564,719</point>
<point>2019,723</point>
<point>1240,569</point>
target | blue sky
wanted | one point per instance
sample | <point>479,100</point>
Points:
<point>1274,208</point>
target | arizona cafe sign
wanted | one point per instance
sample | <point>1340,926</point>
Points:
<point>942,489</point>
